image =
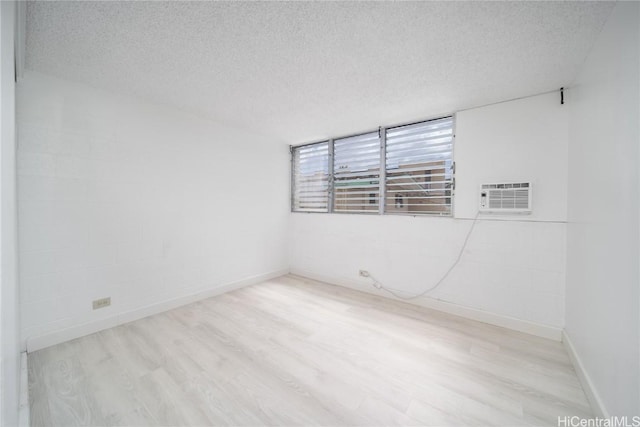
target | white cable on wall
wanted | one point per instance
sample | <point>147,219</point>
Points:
<point>378,285</point>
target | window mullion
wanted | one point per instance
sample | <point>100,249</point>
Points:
<point>382,134</point>
<point>292,185</point>
<point>330,194</point>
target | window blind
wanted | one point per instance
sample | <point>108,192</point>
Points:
<point>310,175</point>
<point>356,172</point>
<point>419,173</point>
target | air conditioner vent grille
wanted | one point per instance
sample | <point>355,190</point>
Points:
<point>507,197</point>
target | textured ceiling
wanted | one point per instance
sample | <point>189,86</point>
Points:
<point>302,71</point>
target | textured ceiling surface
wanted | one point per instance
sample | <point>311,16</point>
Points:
<point>302,71</point>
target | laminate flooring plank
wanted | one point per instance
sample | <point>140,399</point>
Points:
<point>38,390</point>
<point>328,388</point>
<point>109,381</point>
<point>295,352</point>
<point>265,382</point>
<point>68,396</point>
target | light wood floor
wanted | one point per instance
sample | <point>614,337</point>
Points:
<point>297,352</point>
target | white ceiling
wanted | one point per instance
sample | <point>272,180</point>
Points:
<point>303,71</point>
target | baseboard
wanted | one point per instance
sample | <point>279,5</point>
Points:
<point>597,406</point>
<point>512,323</point>
<point>77,331</point>
<point>24,419</point>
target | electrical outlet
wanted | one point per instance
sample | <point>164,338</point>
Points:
<point>364,273</point>
<point>102,302</point>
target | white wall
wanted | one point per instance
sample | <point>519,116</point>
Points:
<point>513,266</point>
<point>602,241</point>
<point>9,329</point>
<point>514,141</point>
<point>140,203</point>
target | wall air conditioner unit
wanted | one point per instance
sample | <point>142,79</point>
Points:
<point>506,198</point>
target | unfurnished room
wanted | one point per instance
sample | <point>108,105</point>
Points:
<point>332,213</point>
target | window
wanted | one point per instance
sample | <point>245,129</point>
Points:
<point>419,160</point>
<point>346,175</point>
<point>310,175</point>
<point>356,173</point>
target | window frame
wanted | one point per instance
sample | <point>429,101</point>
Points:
<point>382,189</point>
